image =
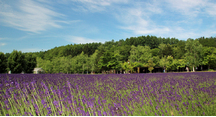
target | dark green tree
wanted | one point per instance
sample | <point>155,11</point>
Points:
<point>3,63</point>
<point>165,50</point>
<point>209,56</point>
<point>179,50</point>
<point>155,51</point>
<point>207,42</point>
<point>30,62</point>
<point>16,62</point>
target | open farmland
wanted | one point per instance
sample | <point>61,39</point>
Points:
<point>113,94</point>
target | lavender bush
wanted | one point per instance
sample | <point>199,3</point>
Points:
<point>107,95</point>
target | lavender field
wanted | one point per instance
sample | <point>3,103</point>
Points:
<point>114,94</point>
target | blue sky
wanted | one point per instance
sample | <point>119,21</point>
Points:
<point>36,25</point>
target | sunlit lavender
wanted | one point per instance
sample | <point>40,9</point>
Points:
<point>108,95</point>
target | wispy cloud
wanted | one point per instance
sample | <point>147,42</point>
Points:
<point>187,7</point>
<point>2,44</point>
<point>95,5</point>
<point>80,40</point>
<point>30,16</point>
<point>2,38</point>
<point>153,18</point>
<point>193,8</point>
<point>211,8</point>
<point>138,18</point>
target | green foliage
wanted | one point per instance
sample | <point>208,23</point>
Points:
<point>3,63</point>
<point>209,56</point>
<point>207,42</point>
<point>166,62</point>
<point>151,64</point>
<point>93,61</point>
<point>109,56</point>
<point>165,50</point>
<point>16,62</point>
<point>82,62</point>
<point>163,62</point>
<point>194,53</point>
<point>178,63</point>
<point>115,62</point>
<point>65,64</point>
<point>110,59</point>
<point>127,66</point>
<point>145,53</point>
<point>137,64</point>
<point>30,62</point>
<point>156,60</point>
<point>169,63</point>
<point>179,50</point>
<point>140,54</point>
<point>210,70</point>
<point>133,54</point>
<point>155,51</point>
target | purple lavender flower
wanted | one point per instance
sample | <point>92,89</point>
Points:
<point>56,103</point>
<point>25,113</point>
<point>94,114</point>
<point>60,112</point>
<point>99,102</point>
<point>87,114</point>
<point>112,114</point>
<point>104,113</point>
<point>104,101</point>
<point>156,114</point>
<point>99,113</point>
<point>43,102</point>
<point>177,108</point>
<point>90,104</point>
<point>77,86</point>
<point>49,112</point>
<point>156,107</point>
<point>24,90</point>
<point>6,102</point>
<point>68,83</point>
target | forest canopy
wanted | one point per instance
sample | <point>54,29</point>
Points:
<point>134,52</point>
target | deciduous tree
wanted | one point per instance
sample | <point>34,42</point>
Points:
<point>193,53</point>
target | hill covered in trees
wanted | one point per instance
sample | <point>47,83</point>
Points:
<point>134,52</point>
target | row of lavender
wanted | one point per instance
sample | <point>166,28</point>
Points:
<point>113,94</point>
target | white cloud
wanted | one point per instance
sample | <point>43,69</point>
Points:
<point>138,18</point>
<point>29,16</point>
<point>95,5</point>
<point>211,9</point>
<point>186,7</point>
<point>80,40</point>
<point>2,44</point>
<point>193,8</point>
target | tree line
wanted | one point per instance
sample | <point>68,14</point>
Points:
<point>123,55</point>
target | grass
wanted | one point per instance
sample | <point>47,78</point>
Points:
<point>116,94</point>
